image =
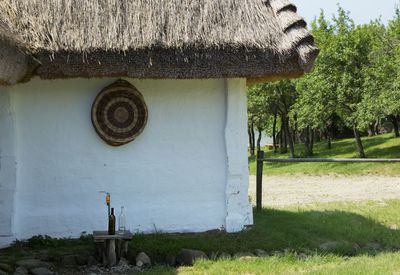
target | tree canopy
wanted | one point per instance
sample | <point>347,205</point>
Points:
<point>354,85</point>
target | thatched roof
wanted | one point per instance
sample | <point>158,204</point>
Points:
<point>15,64</point>
<point>162,38</point>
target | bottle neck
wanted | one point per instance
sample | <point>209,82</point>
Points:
<point>112,211</point>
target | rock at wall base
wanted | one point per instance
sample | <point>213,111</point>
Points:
<point>188,256</point>
<point>142,260</point>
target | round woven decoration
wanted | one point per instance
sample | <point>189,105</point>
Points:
<point>119,113</point>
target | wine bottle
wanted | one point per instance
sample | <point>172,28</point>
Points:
<point>111,223</point>
<point>122,221</point>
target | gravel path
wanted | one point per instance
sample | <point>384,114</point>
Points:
<point>301,189</point>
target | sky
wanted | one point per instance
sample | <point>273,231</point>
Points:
<point>361,11</point>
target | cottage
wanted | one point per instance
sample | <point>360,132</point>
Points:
<point>143,99</point>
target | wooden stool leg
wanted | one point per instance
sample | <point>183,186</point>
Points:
<point>111,255</point>
<point>125,248</point>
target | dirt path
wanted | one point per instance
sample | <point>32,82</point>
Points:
<point>286,190</point>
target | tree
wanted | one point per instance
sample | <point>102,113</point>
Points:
<point>316,101</point>
<point>258,115</point>
<point>277,99</point>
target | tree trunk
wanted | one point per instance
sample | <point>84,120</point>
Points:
<point>259,139</point>
<point>274,134</point>
<point>376,126</point>
<point>251,140</point>
<point>318,135</point>
<point>249,134</point>
<point>283,138</point>
<point>253,137</point>
<point>395,123</point>
<point>308,140</point>
<point>360,146</point>
<point>371,129</point>
<point>295,131</point>
<point>329,142</point>
<point>289,137</point>
<point>312,134</point>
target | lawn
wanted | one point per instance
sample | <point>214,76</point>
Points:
<point>382,146</point>
<point>385,263</point>
<point>342,238</point>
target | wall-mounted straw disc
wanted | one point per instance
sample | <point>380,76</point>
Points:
<point>119,113</point>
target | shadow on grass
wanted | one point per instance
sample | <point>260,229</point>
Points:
<point>337,232</point>
<point>387,152</point>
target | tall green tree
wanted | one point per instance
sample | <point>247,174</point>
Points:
<point>316,101</point>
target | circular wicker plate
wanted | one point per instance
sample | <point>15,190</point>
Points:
<point>119,113</point>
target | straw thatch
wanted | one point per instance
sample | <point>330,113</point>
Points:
<point>16,65</point>
<point>162,38</point>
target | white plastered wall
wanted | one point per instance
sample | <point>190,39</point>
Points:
<point>187,172</point>
<point>8,174</point>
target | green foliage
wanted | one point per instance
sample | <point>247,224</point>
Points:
<point>356,78</point>
<point>45,241</point>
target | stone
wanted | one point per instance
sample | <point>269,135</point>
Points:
<point>68,261</point>
<point>308,251</point>
<point>213,256</point>
<point>288,251</point>
<point>41,271</point>
<point>81,259</point>
<point>142,260</point>
<point>171,260</point>
<point>224,256</point>
<point>43,255</point>
<point>374,246</point>
<point>260,253</point>
<point>31,263</point>
<point>331,245</point>
<point>21,271</point>
<point>6,268</point>
<point>131,256</point>
<point>243,255</point>
<point>302,256</point>
<point>122,267</point>
<point>188,256</point>
<point>91,261</point>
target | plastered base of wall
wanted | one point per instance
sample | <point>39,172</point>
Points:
<point>180,175</point>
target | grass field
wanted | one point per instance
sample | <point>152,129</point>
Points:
<point>342,238</point>
<point>330,238</point>
<point>385,263</point>
<point>383,146</point>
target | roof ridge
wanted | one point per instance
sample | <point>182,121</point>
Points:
<point>297,37</point>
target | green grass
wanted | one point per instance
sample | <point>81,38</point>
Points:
<point>382,146</point>
<point>385,263</point>
<point>300,230</point>
<point>293,237</point>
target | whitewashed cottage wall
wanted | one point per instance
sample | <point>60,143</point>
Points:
<point>187,172</point>
<point>8,175</point>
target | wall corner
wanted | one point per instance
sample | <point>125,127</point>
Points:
<point>238,207</point>
<point>8,166</point>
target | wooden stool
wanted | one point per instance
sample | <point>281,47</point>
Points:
<point>111,248</point>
